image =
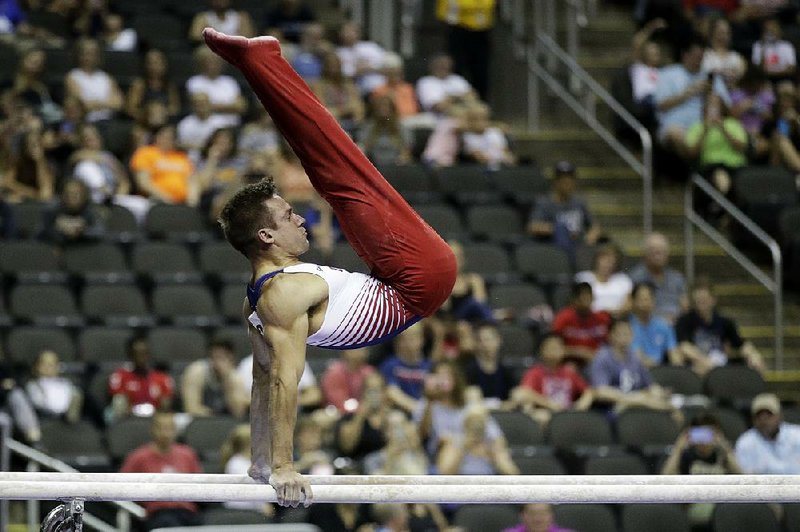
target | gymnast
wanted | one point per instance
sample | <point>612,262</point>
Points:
<point>291,303</point>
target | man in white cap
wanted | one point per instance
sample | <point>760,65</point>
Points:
<point>772,446</point>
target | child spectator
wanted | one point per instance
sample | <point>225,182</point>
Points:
<point>774,55</point>
<point>582,329</point>
<point>74,219</point>
<point>137,388</point>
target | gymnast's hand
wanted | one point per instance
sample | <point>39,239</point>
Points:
<point>291,487</point>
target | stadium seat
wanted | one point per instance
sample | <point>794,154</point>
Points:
<point>582,433</point>
<point>732,423</point>
<point>518,428</point>
<point>185,305</point>
<point>104,345</point>
<point>490,261</point>
<point>116,305</point>
<point>485,517</point>
<point>231,517</point>
<point>28,217</point>
<point>678,379</point>
<point>24,344</point>
<point>744,517</point>
<point>521,298</point>
<point>788,222</point>
<point>539,465</point>
<point>586,517</point>
<point>176,222</point>
<point>622,464</point>
<point>496,223</point>
<point>412,181</point>
<point>78,444</point>
<point>30,261</point>
<point>207,434</point>
<point>153,29</point>
<point>120,224</point>
<point>560,296</point>
<point>54,23</point>
<point>124,67</point>
<point>45,304</point>
<point>734,385</point>
<point>231,298</point>
<point>651,432</point>
<point>237,335</point>
<point>763,191</point>
<point>791,516</point>
<point>654,518</point>
<point>544,263</point>
<point>517,343</point>
<point>126,435</point>
<point>164,262</point>
<point>220,263</point>
<point>521,184</point>
<point>444,219</point>
<point>791,414</point>
<point>97,262</point>
<point>345,257</point>
<point>466,184</point>
<point>176,344</point>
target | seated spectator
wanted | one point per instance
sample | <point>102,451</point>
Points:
<point>644,70</point>
<point>308,392</point>
<point>774,55</point>
<point>719,59</point>
<point>50,393</point>
<point>704,334</point>
<point>222,17</point>
<point>719,144</point>
<point>786,134</point>
<point>397,88</point>
<point>669,283</point>
<point>153,85</point>
<point>442,89</point>
<point>154,116</point>
<point>212,386</point>
<point>537,517</point>
<point>343,380</point>
<point>94,87</point>
<point>310,457</point>
<point>405,371</point>
<point>679,96</point>
<point>289,17</point>
<point>469,299</point>
<point>195,129</point>
<point>382,136</point>
<point>235,454</point>
<point>611,288</point>
<point>702,449</point>
<point>361,432</point>
<point>339,94</point>
<point>772,446</point>
<point>582,329</point>
<point>619,378</point>
<point>752,104</point>
<point>14,403</point>
<point>116,36</point>
<point>653,337</point>
<point>259,135</point>
<point>164,455</point>
<point>562,216</point>
<point>313,48</point>
<point>138,388</point>
<point>482,142</point>
<point>29,85</point>
<point>61,138</point>
<point>486,369</point>
<point>475,450</point>
<point>220,167</point>
<point>698,9</point>
<point>30,175</point>
<point>552,385</point>
<point>291,178</point>
<point>403,453</point>
<point>391,517</point>
<point>164,172</point>
<point>362,61</point>
<point>74,218</point>
<point>223,90</point>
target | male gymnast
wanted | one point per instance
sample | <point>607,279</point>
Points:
<point>290,303</point>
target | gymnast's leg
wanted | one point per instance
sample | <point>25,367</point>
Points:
<point>399,247</point>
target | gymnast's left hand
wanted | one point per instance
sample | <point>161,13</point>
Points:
<point>291,487</point>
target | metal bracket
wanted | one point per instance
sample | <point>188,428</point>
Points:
<point>67,517</point>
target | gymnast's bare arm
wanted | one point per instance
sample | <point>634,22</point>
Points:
<point>279,360</point>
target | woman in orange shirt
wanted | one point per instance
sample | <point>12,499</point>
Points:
<point>163,172</point>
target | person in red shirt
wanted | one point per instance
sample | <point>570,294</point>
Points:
<point>343,381</point>
<point>163,455</point>
<point>551,385</point>
<point>137,388</point>
<point>582,329</point>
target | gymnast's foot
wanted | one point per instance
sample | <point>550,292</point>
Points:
<point>232,47</point>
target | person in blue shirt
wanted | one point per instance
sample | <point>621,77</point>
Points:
<point>653,337</point>
<point>405,371</point>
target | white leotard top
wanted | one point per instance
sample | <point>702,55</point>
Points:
<point>362,310</point>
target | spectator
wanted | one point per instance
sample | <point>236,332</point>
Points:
<point>222,17</point>
<point>30,175</point>
<point>382,136</point>
<point>223,90</point>
<point>718,58</point>
<point>442,90</point>
<point>701,449</point>
<point>219,167</point>
<point>469,299</point>
<point>786,135</point>
<point>752,103</point>
<point>313,47</point>
<point>704,334</point>
<point>29,85</point>
<point>290,17</point>
<point>154,116</point>
<point>153,85</point>
<point>647,60</point>
<point>618,376</point>
<point>696,9</point>
<point>361,61</point>
<point>235,454</point>
<point>61,138</point>
<point>775,56</point>
<point>16,404</point>
<point>11,16</point>
<point>482,142</point>
<point>486,369</point>
<point>551,385</point>
<point>343,380</point>
<point>537,517</point>
<point>405,371</point>
<point>653,337</point>
<point>611,288</point>
<point>164,455</point>
<point>582,329</point>
<point>164,172</point>
<point>339,94</point>
<point>195,129</point>
<point>361,432</point>
<point>259,134</point>
<point>772,446</point>
<point>50,393</point>
<point>669,283</point>
<point>563,217</point>
<point>308,392</point>
<point>391,517</point>
<point>212,386</point>
<point>310,457</point>
<point>94,87</point>
<point>74,219</point>
<point>679,96</point>
<point>116,36</point>
<point>138,388</point>
<point>401,91</point>
<point>403,453</point>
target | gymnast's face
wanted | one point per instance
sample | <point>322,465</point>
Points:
<point>288,234</point>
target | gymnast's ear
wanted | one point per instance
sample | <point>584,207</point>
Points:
<point>265,236</point>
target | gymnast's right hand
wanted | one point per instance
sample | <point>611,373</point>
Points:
<point>291,487</point>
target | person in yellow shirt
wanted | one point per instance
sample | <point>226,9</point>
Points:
<point>470,23</point>
<point>162,171</point>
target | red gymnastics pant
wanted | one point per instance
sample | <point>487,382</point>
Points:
<point>400,248</point>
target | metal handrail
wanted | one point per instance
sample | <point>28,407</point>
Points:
<point>773,284</point>
<point>37,458</point>
<point>545,47</point>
